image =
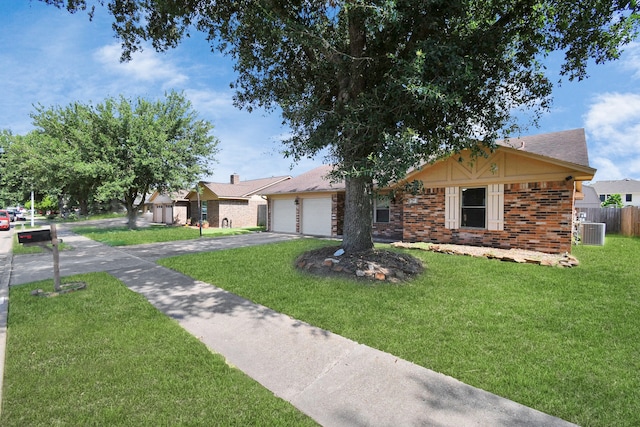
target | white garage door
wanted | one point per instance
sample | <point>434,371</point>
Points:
<point>157,213</point>
<point>168,215</point>
<point>316,216</point>
<point>283,217</point>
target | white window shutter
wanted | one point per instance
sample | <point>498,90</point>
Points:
<point>452,208</point>
<point>495,207</point>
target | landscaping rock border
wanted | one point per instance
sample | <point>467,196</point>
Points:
<point>375,265</point>
<point>509,255</point>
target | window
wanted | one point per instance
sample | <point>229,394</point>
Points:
<point>628,198</point>
<point>487,211</point>
<point>204,210</point>
<point>381,210</point>
<point>603,197</point>
<point>474,207</point>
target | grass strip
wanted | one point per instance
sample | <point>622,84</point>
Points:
<point>105,356</point>
<point>563,341</point>
<point>122,236</point>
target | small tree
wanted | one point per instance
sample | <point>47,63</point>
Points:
<point>613,201</point>
<point>47,204</point>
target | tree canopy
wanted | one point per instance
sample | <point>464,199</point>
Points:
<point>386,85</point>
<point>613,201</point>
<point>120,149</point>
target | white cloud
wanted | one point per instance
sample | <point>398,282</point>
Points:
<point>613,124</point>
<point>211,103</point>
<point>607,169</point>
<point>631,59</point>
<point>145,66</point>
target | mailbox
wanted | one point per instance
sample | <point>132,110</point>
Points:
<point>34,236</point>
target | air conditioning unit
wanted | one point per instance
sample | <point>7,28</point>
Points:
<point>592,233</point>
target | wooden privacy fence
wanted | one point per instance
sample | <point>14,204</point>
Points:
<point>625,221</point>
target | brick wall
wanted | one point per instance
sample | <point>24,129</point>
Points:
<point>391,230</point>
<point>537,216</point>
<point>424,218</point>
<point>213,213</point>
<point>239,213</point>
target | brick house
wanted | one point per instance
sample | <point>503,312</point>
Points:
<point>521,195</point>
<point>233,204</point>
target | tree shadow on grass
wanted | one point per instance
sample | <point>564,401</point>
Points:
<point>185,299</point>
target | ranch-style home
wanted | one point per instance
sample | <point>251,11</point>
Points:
<point>168,209</point>
<point>522,195</point>
<point>233,204</point>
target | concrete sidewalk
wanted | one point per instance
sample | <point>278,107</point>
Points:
<point>336,381</point>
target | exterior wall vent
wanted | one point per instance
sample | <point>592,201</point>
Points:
<point>592,233</point>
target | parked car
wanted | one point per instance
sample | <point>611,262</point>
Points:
<point>5,220</point>
<point>12,213</point>
<point>21,215</point>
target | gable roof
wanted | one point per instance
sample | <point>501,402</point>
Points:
<point>621,186</point>
<point>243,189</point>
<point>568,146</point>
<point>590,200</point>
<point>164,198</point>
<point>313,181</point>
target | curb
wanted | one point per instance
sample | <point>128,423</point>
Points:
<point>4,313</point>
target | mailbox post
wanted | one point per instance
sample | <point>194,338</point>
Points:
<point>42,237</point>
<point>57,286</point>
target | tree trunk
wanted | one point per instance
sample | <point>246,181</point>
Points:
<point>84,208</point>
<point>358,216</point>
<point>132,216</point>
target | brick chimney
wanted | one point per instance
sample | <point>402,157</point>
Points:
<point>235,178</point>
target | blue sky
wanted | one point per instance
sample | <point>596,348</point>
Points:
<point>50,57</point>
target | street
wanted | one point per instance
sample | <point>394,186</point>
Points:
<point>6,241</point>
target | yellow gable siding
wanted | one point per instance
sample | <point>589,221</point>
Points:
<point>500,167</point>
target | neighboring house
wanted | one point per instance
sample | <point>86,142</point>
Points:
<point>307,204</point>
<point>591,199</point>
<point>522,195</point>
<point>628,189</point>
<point>234,204</point>
<point>168,209</point>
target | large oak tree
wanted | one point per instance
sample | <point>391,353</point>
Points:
<point>386,85</point>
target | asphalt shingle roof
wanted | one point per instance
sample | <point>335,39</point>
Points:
<point>243,189</point>
<point>621,186</point>
<point>569,145</point>
<point>314,180</point>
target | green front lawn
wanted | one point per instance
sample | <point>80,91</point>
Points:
<point>564,341</point>
<point>122,236</point>
<point>105,357</point>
